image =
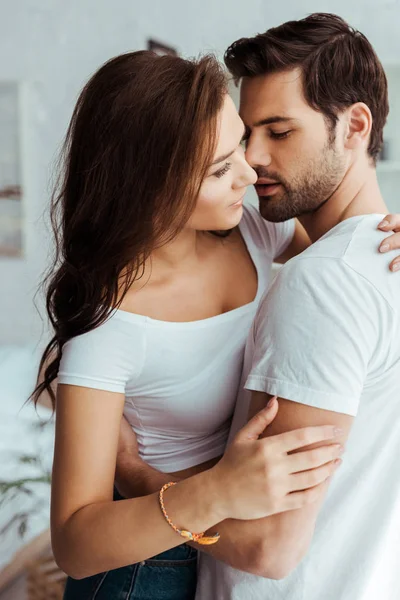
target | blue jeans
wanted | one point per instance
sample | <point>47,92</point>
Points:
<point>171,575</point>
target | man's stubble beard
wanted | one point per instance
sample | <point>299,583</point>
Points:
<point>308,191</point>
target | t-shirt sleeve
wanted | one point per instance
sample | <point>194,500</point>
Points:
<point>106,358</point>
<point>318,335</point>
<point>273,238</point>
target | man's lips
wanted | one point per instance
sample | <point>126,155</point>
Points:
<point>266,181</point>
<point>266,187</point>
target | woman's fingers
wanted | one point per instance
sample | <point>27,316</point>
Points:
<point>392,243</point>
<point>293,440</point>
<point>313,493</point>
<point>312,459</point>
<point>395,264</point>
<point>390,223</point>
<point>299,499</point>
<point>310,479</point>
<point>255,427</point>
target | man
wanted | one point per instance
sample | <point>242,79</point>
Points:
<point>326,339</point>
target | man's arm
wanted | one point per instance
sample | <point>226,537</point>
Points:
<point>274,546</point>
<point>239,545</point>
<point>134,477</point>
<point>242,543</point>
<point>315,353</point>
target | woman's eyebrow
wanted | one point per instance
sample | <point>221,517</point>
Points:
<point>225,156</point>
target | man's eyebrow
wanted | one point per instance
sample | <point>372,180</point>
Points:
<point>275,119</point>
<point>222,158</point>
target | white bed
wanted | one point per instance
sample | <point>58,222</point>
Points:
<point>21,435</point>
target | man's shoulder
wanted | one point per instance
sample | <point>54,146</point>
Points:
<point>357,237</point>
<point>346,258</point>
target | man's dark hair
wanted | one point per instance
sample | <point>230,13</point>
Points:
<point>339,66</point>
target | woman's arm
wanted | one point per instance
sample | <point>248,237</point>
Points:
<point>91,533</point>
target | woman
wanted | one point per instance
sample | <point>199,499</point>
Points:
<point>157,280</point>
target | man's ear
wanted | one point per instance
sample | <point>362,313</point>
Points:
<point>358,126</point>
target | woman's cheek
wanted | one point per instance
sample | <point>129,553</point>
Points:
<point>212,198</point>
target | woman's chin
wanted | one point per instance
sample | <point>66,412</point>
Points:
<point>234,215</point>
<point>224,222</point>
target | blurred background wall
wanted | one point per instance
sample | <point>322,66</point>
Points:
<point>50,48</point>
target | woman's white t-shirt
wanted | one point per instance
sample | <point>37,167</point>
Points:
<point>180,380</point>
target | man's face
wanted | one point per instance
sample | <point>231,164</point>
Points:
<point>299,159</point>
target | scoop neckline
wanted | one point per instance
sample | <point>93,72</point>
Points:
<point>226,316</point>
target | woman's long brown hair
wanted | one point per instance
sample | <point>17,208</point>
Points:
<point>136,151</point>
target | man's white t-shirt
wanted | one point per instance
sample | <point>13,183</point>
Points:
<point>327,334</point>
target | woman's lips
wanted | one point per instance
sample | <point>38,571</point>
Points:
<point>238,202</point>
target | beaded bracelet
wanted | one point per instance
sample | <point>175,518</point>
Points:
<point>199,538</point>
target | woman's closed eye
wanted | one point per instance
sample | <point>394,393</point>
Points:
<point>221,172</point>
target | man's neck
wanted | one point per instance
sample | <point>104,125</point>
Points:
<point>358,194</point>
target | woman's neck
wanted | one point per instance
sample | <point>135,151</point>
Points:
<point>183,250</point>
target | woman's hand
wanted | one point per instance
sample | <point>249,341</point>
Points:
<point>259,478</point>
<point>391,223</point>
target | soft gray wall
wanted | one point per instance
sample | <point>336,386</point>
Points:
<point>52,46</point>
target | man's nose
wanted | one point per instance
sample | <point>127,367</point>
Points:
<point>258,155</point>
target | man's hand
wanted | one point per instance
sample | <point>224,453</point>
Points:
<point>127,442</point>
<point>134,477</point>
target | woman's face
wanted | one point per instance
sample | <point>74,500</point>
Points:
<point>219,205</point>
